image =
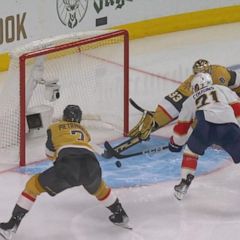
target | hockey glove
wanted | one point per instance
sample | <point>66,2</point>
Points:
<point>174,147</point>
<point>144,127</point>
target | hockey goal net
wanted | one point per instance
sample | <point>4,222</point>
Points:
<point>89,69</point>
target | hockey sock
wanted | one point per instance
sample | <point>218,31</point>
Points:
<point>189,165</point>
<point>26,201</point>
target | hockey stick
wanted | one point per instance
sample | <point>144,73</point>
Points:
<point>120,147</point>
<point>135,105</point>
<point>120,156</point>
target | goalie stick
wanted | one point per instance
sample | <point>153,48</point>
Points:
<point>134,104</point>
<point>120,156</point>
<point>120,147</point>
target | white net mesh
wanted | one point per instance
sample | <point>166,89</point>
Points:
<point>90,75</point>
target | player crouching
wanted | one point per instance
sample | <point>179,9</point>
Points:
<point>75,164</point>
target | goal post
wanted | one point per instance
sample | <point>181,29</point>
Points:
<point>90,69</point>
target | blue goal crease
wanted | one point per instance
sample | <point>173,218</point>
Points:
<point>144,169</point>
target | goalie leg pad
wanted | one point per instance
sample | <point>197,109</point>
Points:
<point>134,132</point>
<point>147,126</point>
<point>144,127</point>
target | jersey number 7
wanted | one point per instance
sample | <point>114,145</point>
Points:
<point>79,135</point>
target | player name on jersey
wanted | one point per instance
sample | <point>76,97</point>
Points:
<point>67,125</point>
<point>200,92</point>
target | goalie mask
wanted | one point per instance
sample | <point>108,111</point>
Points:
<point>72,113</point>
<point>200,81</point>
<point>201,65</point>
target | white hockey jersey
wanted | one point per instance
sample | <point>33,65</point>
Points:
<point>219,104</point>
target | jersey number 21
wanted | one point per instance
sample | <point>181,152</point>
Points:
<point>206,99</point>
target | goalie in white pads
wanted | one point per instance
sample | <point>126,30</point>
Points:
<point>216,110</point>
<point>75,164</point>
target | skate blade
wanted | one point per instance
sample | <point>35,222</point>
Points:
<point>5,236</point>
<point>179,196</point>
<point>123,225</point>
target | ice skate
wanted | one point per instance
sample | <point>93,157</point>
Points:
<point>119,216</point>
<point>8,233</point>
<point>7,230</point>
<point>182,187</point>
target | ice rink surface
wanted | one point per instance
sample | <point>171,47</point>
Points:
<point>211,208</point>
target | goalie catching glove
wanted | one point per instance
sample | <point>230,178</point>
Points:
<point>145,126</point>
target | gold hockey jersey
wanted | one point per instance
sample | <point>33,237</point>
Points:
<point>63,134</point>
<point>169,108</point>
<point>220,76</point>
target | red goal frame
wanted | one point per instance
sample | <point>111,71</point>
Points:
<point>64,46</point>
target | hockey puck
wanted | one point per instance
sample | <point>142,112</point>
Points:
<point>118,164</point>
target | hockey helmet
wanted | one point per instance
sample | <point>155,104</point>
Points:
<point>201,65</point>
<point>72,113</point>
<point>201,80</point>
